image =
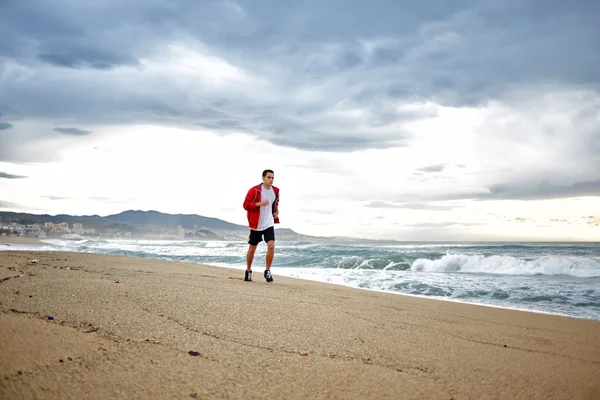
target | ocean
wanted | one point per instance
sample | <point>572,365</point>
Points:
<point>554,278</point>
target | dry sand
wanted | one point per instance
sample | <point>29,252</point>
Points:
<point>177,330</point>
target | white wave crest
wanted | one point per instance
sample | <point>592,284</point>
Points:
<point>507,265</point>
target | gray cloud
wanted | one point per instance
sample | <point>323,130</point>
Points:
<point>380,204</point>
<point>410,206</point>
<point>87,58</point>
<point>530,190</point>
<point>543,190</point>
<point>433,168</point>
<point>6,175</point>
<point>302,72</point>
<point>72,131</point>
<point>57,197</point>
<point>8,204</point>
<point>293,76</point>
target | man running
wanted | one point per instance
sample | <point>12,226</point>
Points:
<point>262,205</point>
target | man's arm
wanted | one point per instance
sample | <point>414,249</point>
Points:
<point>276,213</point>
<point>249,201</point>
<point>250,204</point>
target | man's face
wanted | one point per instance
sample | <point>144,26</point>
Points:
<point>268,179</point>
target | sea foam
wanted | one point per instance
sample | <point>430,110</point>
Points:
<point>508,265</point>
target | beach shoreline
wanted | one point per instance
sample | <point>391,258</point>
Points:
<point>22,240</point>
<point>131,328</point>
<point>29,244</point>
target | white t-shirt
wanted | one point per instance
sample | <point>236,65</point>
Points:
<point>266,212</point>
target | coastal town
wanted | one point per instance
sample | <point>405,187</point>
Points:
<point>48,229</point>
<point>62,230</point>
<point>134,225</point>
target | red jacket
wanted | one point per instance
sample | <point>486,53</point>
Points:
<point>252,197</point>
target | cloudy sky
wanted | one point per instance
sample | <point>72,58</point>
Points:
<point>430,120</point>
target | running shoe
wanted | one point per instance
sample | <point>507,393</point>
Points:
<point>268,276</point>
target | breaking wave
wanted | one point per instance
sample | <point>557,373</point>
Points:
<point>508,265</point>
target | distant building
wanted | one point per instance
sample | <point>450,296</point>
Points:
<point>78,228</point>
<point>32,231</point>
<point>62,227</point>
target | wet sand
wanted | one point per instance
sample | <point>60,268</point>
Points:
<point>10,240</point>
<point>139,328</point>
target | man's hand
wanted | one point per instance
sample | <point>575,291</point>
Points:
<point>275,214</point>
<point>262,203</point>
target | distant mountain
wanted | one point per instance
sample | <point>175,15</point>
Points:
<point>135,218</point>
<point>26,218</point>
<point>140,224</point>
<point>155,220</point>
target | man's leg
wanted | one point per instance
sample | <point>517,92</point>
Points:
<point>270,240</point>
<point>250,257</point>
<point>253,240</point>
<point>270,253</point>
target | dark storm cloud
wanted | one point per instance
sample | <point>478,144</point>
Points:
<point>5,126</point>
<point>72,131</point>
<point>316,62</point>
<point>6,175</point>
<point>83,58</point>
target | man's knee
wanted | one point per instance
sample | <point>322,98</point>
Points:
<point>271,245</point>
<point>251,249</point>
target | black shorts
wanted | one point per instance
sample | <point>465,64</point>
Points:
<point>255,237</point>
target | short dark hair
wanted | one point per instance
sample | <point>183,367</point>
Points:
<point>266,171</point>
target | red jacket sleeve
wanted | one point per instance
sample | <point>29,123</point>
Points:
<point>249,203</point>
<point>277,207</point>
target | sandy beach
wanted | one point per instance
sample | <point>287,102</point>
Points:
<point>10,240</point>
<point>77,325</point>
